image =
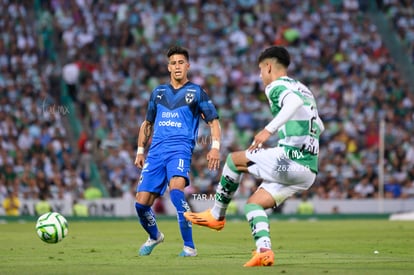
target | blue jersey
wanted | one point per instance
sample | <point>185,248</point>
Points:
<point>175,114</point>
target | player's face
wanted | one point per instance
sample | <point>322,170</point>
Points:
<point>264,67</point>
<point>178,67</point>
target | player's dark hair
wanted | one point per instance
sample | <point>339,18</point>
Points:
<point>178,50</point>
<point>277,52</point>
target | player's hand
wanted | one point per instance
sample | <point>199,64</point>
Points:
<point>259,140</point>
<point>139,160</point>
<point>213,159</point>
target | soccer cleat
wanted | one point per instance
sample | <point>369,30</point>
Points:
<point>262,258</point>
<point>205,219</point>
<point>188,252</point>
<point>149,245</point>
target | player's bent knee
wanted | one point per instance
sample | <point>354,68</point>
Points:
<point>177,182</point>
<point>230,165</point>
<point>263,198</point>
<point>145,198</point>
<point>238,160</point>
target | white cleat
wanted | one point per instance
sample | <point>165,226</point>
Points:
<point>188,252</point>
<point>149,245</point>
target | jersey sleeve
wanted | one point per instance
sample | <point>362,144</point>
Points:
<point>152,108</point>
<point>277,94</point>
<point>208,110</point>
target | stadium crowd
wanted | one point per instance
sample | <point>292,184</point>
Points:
<point>36,156</point>
<point>401,14</point>
<point>120,48</point>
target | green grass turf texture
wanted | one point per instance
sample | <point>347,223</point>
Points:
<point>301,247</point>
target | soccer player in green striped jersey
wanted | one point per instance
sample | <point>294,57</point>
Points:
<point>285,168</point>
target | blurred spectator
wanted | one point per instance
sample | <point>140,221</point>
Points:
<point>79,209</point>
<point>11,204</point>
<point>363,189</point>
<point>335,210</point>
<point>159,206</point>
<point>392,188</point>
<point>73,182</point>
<point>407,190</point>
<point>85,158</point>
<point>232,208</point>
<point>305,207</point>
<point>92,193</point>
<point>202,183</point>
<point>42,206</point>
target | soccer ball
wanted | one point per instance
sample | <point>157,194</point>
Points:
<point>52,227</point>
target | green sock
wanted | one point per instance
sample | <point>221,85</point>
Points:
<point>259,224</point>
<point>229,182</point>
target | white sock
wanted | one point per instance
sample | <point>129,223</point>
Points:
<point>263,242</point>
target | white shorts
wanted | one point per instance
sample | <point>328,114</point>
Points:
<point>282,177</point>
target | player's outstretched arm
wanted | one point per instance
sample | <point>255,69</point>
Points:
<point>213,156</point>
<point>144,136</point>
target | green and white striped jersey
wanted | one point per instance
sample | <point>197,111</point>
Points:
<point>300,134</point>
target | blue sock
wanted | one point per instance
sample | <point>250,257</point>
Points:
<point>178,199</point>
<point>147,219</point>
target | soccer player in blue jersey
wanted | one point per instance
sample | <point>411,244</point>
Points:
<point>171,127</point>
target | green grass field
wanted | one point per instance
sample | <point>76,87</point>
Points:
<point>301,247</point>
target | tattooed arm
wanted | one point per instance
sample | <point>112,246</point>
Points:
<point>144,136</point>
<point>145,133</point>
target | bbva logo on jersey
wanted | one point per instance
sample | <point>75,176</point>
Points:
<point>189,97</point>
